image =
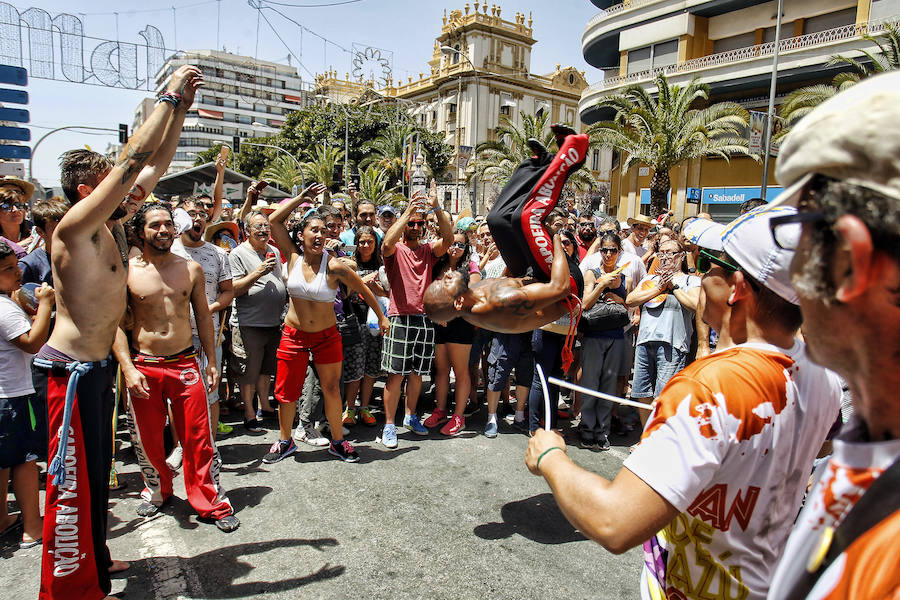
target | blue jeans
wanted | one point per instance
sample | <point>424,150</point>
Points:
<point>654,365</point>
<point>547,351</point>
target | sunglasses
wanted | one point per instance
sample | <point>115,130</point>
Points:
<point>566,243</point>
<point>609,250</point>
<point>11,206</point>
<point>194,214</point>
<point>261,227</point>
<point>416,223</point>
<point>460,245</point>
<point>705,261</point>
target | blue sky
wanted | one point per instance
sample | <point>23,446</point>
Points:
<point>407,29</point>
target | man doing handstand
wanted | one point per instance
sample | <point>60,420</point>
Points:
<point>541,282</point>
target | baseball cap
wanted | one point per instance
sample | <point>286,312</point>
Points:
<point>704,233</point>
<point>386,208</point>
<point>748,240</point>
<point>852,137</point>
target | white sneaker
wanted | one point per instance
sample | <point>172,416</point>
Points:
<point>309,435</point>
<point>174,460</point>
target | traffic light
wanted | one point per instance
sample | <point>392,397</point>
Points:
<point>236,144</point>
<point>123,133</point>
<point>15,76</point>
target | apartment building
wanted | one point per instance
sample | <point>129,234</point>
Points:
<point>241,96</point>
<point>729,45</point>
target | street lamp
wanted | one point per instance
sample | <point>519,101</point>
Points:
<point>448,50</point>
<point>346,133</point>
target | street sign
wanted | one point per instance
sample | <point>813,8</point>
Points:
<point>19,134</point>
<point>693,195</point>
<point>18,115</point>
<point>13,96</point>
<point>13,75</point>
<point>9,151</point>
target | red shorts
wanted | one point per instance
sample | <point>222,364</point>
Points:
<point>293,358</point>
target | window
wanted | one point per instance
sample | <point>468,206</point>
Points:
<point>595,161</point>
<point>829,21</point>
<point>744,40</point>
<point>658,55</point>
<point>505,110</point>
<point>455,58</point>
<point>452,109</point>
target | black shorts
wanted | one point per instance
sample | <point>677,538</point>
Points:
<point>20,439</point>
<point>457,331</point>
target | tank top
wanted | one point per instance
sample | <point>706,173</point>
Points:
<point>316,290</point>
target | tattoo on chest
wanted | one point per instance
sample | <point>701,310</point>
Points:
<point>132,162</point>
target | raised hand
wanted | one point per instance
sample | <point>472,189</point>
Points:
<point>180,78</point>
<point>433,195</point>
<point>189,92</point>
<point>313,190</point>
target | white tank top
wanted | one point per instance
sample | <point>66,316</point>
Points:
<point>316,290</point>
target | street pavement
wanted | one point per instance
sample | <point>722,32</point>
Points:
<point>441,518</point>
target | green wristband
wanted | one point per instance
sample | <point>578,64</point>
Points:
<point>538,465</point>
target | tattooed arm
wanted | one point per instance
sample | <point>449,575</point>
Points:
<point>510,297</point>
<point>88,215</point>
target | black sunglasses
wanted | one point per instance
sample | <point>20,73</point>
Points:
<point>786,229</point>
<point>12,206</point>
<point>416,223</point>
<point>705,261</point>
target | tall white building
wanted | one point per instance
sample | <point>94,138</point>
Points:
<point>242,96</point>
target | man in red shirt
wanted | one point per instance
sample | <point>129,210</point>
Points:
<point>409,345</point>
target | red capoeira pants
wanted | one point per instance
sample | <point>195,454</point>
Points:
<point>75,561</point>
<point>516,219</point>
<point>177,379</point>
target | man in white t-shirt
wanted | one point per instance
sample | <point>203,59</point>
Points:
<point>219,289</point>
<point>639,228</point>
<point>714,485</point>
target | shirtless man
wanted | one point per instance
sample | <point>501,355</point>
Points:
<point>519,221</point>
<point>89,274</point>
<point>503,304</point>
<point>162,289</point>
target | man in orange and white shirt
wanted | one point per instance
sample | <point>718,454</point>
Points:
<point>841,169</point>
<point>718,477</point>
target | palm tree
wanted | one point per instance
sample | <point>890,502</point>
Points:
<point>800,102</point>
<point>495,160</point>
<point>386,150</point>
<point>373,185</point>
<point>321,168</point>
<point>665,131</point>
<point>283,172</point>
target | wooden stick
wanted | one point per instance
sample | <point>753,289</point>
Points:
<point>595,393</point>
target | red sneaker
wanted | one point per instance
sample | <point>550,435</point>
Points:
<point>454,426</point>
<point>437,417</point>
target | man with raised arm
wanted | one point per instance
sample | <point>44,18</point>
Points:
<point>90,273</point>
<point>162,289</point>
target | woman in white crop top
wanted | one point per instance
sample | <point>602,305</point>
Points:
<point>310,328</point>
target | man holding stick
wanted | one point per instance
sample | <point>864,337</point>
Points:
<point>717,479</point>
<point>90,275</point>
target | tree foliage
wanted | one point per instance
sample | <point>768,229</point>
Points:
<point>665,131</point>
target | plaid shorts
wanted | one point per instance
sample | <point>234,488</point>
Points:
<point>409,345</point>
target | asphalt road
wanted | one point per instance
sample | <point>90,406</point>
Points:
<point>436,518</point>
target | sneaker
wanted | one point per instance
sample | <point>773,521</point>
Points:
<point>438,417</point>
<point>310,435</point>
<point>265,414</point>
<point>174,460</point>
<point>279,450</point>
<point>252,426</point>
<point>365,415</point>
<point>344,451</point>
<point>223,428</point>
<point>520,425</point>
<point>471,408</point>
<point>602,445</point>
<point>454,426</point>
<point>587,441</point>
<point>412,423</point>
<point>228,523</point>
<point>490,430</point>
<point>349,417</point>
<point>389,436</point>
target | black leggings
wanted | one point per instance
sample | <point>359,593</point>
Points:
<point>516,219</point>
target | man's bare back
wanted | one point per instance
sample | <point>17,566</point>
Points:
<point>159,297</point>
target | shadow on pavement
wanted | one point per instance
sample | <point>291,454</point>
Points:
<point>537,518</point>
<point>230,564</point>
<point>367,454</point>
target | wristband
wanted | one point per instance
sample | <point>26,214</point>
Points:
<point>538,465</point>
<point>170,97</point>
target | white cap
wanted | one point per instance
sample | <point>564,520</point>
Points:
<point>748,240</point>
<point>704,233</point>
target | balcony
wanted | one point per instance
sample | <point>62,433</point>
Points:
<point>750,67</point>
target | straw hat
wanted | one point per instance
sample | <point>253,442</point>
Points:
<point>26,187</point>
<point>642,219</point>
<point>229,226</point>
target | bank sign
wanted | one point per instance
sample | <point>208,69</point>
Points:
<point>735,195</point>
